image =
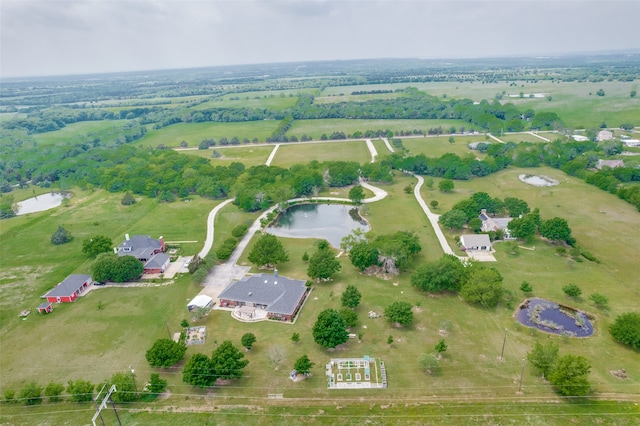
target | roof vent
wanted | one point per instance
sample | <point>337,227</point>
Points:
<point>249,293</point>
<point>275,283</point>
<point>266,281</point>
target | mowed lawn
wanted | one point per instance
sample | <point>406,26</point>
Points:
<point>294,153</point>
<point>194,133</point>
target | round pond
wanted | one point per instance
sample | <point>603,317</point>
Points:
<point>330,222</point>
<point>40,203</point>
<point>554,318</point>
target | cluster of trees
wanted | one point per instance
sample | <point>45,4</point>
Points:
<point>389,251</point>
<point>626,329</point>
<point>450,166</point>
<point>323,263</point>
<point>476,283</point>
<point>226,362</point>
<point>569,374</point>
<point>33,393</point>
<point>165,352</point>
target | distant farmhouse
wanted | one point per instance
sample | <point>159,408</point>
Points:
<point>147,250</point>
<point>631,142</point>
<point>68,290</point>
<point>604,135</point>
<point>264,296</point>
<point>495,224</point>
<point>613,164</point>
<point>579,138</point>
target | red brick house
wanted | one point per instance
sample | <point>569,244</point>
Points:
<point>69,289</point>
<point>280,297</point>
<point>147,250</point>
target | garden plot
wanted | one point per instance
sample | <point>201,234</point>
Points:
<point>196,336</point>
<point>356,373</point>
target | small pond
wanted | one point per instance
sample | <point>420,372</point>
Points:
<point>538,180</point>
<point>330,222</point>
<point>40,203</point>
<point>554,318</point>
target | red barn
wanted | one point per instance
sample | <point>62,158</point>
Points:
<point>69,289</point>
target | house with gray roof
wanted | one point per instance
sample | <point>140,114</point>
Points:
<point>609,163</point>
<point>147,250</point>
<point>495,224</point>
<point>475,242</point>
<point>69,289</point>
<point>280,297</point>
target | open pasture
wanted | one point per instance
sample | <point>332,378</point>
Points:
<point>254,100</point>
<point>332,99</point>
<point>526,137</point>
<point>81,132</point>
<point>315,128</point>
<point>294,153</point>
<point>249,155</point>
<point>194,133</point>
<point>436,146</point>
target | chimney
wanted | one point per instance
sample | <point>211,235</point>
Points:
<point>126,237</point>
<point>162,244</point>
<point>275,272</point>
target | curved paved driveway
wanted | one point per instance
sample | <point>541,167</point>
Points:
<point>433,218</point>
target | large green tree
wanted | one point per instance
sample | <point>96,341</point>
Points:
<point>268,251</point>
<point>544,357</point>
<point>570,376</point>
<point>445,274</point>
<point>227,361</point>
<point>350,296</point>
<point>323,263</point>
<point>399,312</point>
<point>453,219</point>
<point>198,371</point>
<point>522,228</point>
<point>330,329</point>
<point>97,244</point>
<point>363,255</point>
<point>556,229</point>
<point>626,329</point>
<point>110,267</point>
<point>126,384</point>
<point>483,286</point>
<point>165,353</point>
<point>247,340</point>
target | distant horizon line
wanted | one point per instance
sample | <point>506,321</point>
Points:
<point>575,54</point>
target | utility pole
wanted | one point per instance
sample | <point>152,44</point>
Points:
<point>504,342</point>
<point>524,362</point>
<point>168,331</point>
<point>133,377</point>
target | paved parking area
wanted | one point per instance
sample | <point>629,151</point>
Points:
<point>481,256</point>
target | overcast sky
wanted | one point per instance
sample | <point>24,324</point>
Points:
<point>51,37</point>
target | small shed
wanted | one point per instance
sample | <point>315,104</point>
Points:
<point>200,301</point>
<point>45,308</point>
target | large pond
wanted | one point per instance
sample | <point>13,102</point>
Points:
<point>330,222</point>
<point>554,318</point>
<point>40,203</point>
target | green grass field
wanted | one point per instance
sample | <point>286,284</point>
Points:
<point>194,133</point>
<point>290,154</point>
<point>440,145</point>
<point>84,131</point>
<point>315,128</point>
